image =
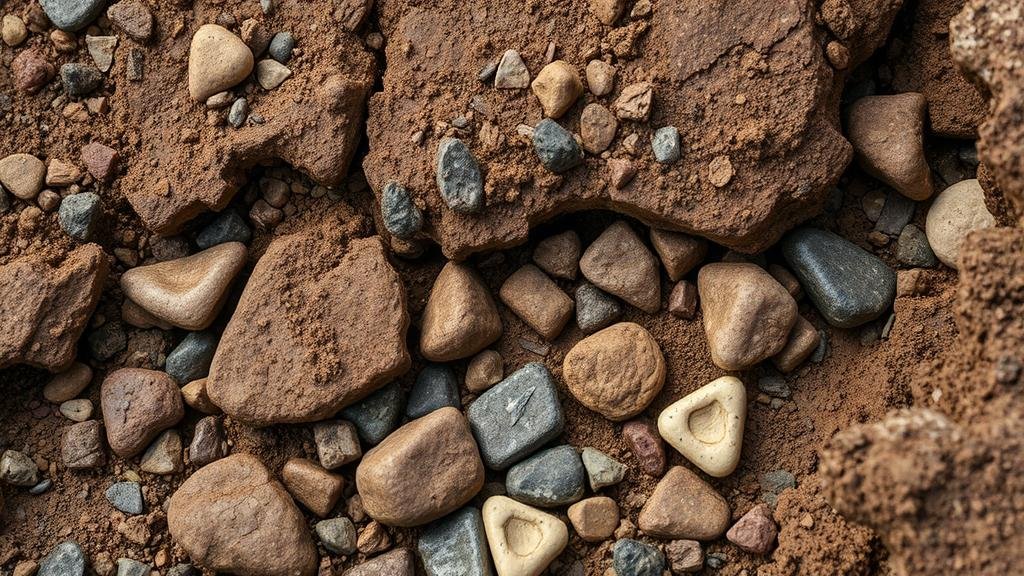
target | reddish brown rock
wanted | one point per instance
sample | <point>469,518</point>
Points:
<point>537,300</point>
<point>619,263</point>
<point>68,384</point>
<point>684,506</point>
<point>594,519</point>
<point>31,71</point>
<point>398,562</point>
<point>680,253</point>
<point>137,406</point>
<point>645,443</point>
<point>311,484</point>
<point>460,318</point>
<point>100,160</point>
<point>887,133</point>
<point>82,446</point>
<point>483,371</point>
<point>755,532</point>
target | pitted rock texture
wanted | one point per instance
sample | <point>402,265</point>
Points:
<point>773,120</point>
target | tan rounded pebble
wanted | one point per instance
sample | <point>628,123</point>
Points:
<point>755,532</point>
<point>63,41</point>
<point>535,298</point>
<point>619,263</point>
<point>607,11</point>
<point>22,175</point>
<point>557,86</point>
<point>955,212</point>
<point>684,506</point>
<point>720,171</point>
<point>802,342</point>
<point>78,410</point>
<point>594,519</point>
<point>706,426</point>
<point>512,73</point>
<point>616,372</point>
<point>680,253</point>
<point>838,55</point>
<point>522,539</point>
<point>138,405</point>
<point>559,255</point>
<point>460,318</point>
<point>13,30</point>
<point>312,485</point>
<point>68,384</point>
<point>887,133</point>
<point>484,370</point>
<point>600,77</point>
<point>196,397</point>
<point>60,173</point>
<point>217,60</point>
<point>597,128</point>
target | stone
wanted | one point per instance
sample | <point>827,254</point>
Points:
<point>186,292</point>
<point>271,73</point>
<point>337,443</point>
<point>680,253</point>
<point>594,519</point>
<point>422,471</point>
<point>597,128</point>
<point>281,46</point>
<point>66,558</point>
<point>913,249</point>
<point>682,302</point>
<point>312,485</point>
<point>133,18</point>
<point>373,539</point>
<point>684,556</point>
<point>594,308</point>
<point>512,73</point>
<point>748,315</point>
<point>557,86</point>
<point>101,161</point>
<point>602,470</point>
<point>460,317</point>
<point>550,478</point>
<point>129,567</point>
<point>774,386</point>
<point>516,417</point>
<point>377,415</point>
<point>137,406</point>
<point>803,340</point>
<point>666,145</point>
<point>619,263</point>
<point>82,446</point>
<point>523,540</point>
<point>634,558</point>
<point>126,497</point>
<point>773,483</point>
<point>435,387</point>
<point>787,279</point>
<point>101,50</point>
<point>607,11</point>
<point>556,147</point>
<point>643,440</point>
<point>887,133</point>
<point>227,227</point>
<point>107,341</point>
<point>13,30</point>
<point>616,372</point>
<point>683,505</point>
<point>190,360</point>
<point>31,71</point>
<point>26,568</point>
<point>458,177</point>
<point>18,469</point>
<point>706,426</point>
<point>401,217</point>
<point>233,516</point>
<point>600,77</point>
<point>194,394</point>
<point>208,442</point>
<point>80,79</point>
<point>48,200</point>
<point>338,535</point>
<point>238,113</point>
<point>956,211</point>
<point>848,285</point>
<point>754,532</point>
<point>634,102</point>
<point>68,384</point>
<point>559,255</point>
<point>897,211</point>
<point>537,300</point>
<point>398,562</point>
<point>483,371</point>
<point>456,545</point>
<point>79,215</point>
<point>78,410</point>
<point>60,173</point>
<point>163,457</point>
<point>22,175</point>
<point>217,61</point>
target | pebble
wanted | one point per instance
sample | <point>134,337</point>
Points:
<point>80,79</point>
<point>556,147</point>
<point>683,505</point>
<point>602,470</point>
<point>887,133</point>
<point>435,387</point>
<point>634,102</point>
<point>217,60</point>
<point>182,570</point>
<point>775,386</point>
<point>60,173</point>
<point>195,395</point>
<point>517,416</point>
<point>190,360</point>
<point>456,545</point>
<point>398,562</point>
<point>559,255</point>
<point>126,497</point>
<point>164,455</point>
<point>78,410</point>
<point>550,478</point>
<point>460,317</point>
<point>607,11</point>
<point>956,211</point>
<point>666,145</point>
<point>402,218</point>
<point>312,485</point>
<point>912,248</point>
<point>679,253</point>
<point>66,558</point>
<point>594,519</point>
<point>897,211</point>
<point>238,113</point>
<point>208,443</point>
<point>129,567</point>
<point>597,128</point>
<point>634,558</point>
<point>18,469</point>
<point>31,70</point>
<point>337,443</point>
<point>373,539</point>
<point>483,371</point>
<point>133,18</point>
<point>458,177</point>
<point>68,384</point>
<point>13,30</point>
<point>774,483</point>
<point>619,263</point>
<point>512,73</point>
<point>82,446</point>
<point>594,308</point>
<point>137,406</point>
<point>537,300</point>
<point>281,46</point>
<point>755,532</point>
<point>720,171</point>
<point>706,426</point>
<point>643,440</point>
<point>106,341</point>
<point>72,15</point>
<point>684,556</point>
<point>802,342</point>
<point>228,226</point>
<point>376,415</point>
<point>40,488</point>
<point>448,472</point>
<point>557,86</point>
<point>271,73</point>
<point>22,175</point>
<point>682,302</point>
<point>848,285</point>
<point>101,161</point>
<point>523,540</point>
<point>101,50</point>
<point>600,77</point>
<point>488,71</point>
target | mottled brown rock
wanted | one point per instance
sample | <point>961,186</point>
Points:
<point>802,342</point>
<point>597,128</point>
<point>619,263</point>
<point>100,160</point>
<point>312,485</point>
<point>679,253</point>
<point>537,300</point>
<point>82,446</point>
<point>68,384</point>
<point>22,175</point>
<point>645,443</point>
<point>684,506</point>
<point>887,132</point>
<point>460,317</point>
<point>31,70</point>
<point>559,255</point>
<point>755,531</point>
<point>594,519</point>
<point>137,406</point>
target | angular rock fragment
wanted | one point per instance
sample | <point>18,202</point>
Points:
<point>456,545</point>
<point>887,132</point>
<point>460,317</point>
<point>137,406</point>
<point>684,506</point>
<point>619,263</point>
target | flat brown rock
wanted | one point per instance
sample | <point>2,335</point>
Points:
<point>320,325</point>
<point>45,306</point>
<point>684,506</point>
<point>137,406</point>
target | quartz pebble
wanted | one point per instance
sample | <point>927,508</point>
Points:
<point>456,545</point>
<point>594,519</point>
<point>402,218</point>
<point>706,426</point>
<point>312,485</point>
<point>126,497</point>
<point>77,410</point>
<point>512,73</point>
<point>522,539</point>
<point>82,446</point>
<point>559,255</point>
<point>271,73</point>
<point>18,469</point>
<point>66,558</point>
<point>338,535</point>
<point>217,61</point>
<point>597,128</point>
<point>666,145</point>
<point>376,415</point>
<point>645,443</point>
<point>22,175</point>
<point>483,371</point>
<point>802,342</point>
<point>190,360</point>
<point>228,226</point>
<point>956,211</point>
<point>887,133</point>
<point>552,477</point>
<point>337,443</point>
<point>684,506</point>
<point>755,532</point>
<point>634,558</point>
<point>619,263</point>
<point>602,470</point>
<point>600,77</point>
<point>537,300</point>
<point>557,86</point>
<point>137,405</point>
<point>435,387</point>
<point>208,443</point>
<point>164,455</point>
<point>460,317</point>
<point>595,309</point>
<point>684,556</point>
<point>68,384</point>
<point>556,147</point>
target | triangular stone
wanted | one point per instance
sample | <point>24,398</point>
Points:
<point>523,540</point>
<point>707,426</point>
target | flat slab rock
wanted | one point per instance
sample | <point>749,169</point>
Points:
<point>320,325</point>
<point>45,306</point>
<point>784,151</point>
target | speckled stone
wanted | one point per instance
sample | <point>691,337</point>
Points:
<point>376,415</point>
<point>456,545</point>
<point>553,477</point>
<point>435,387</point>
<point>458,176</point>
<point>556,147</point>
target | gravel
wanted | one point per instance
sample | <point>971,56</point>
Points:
<point>556,147</point>
<point>338,535</point>
<point>79,215</point>
<point>18,469</point>
<point>456,545</point>
<point>435,387</point>
<point>913,249</point>
<point>634,558</point>
<point>129,567</point>
<point>550,478</point>
<point>665,142</point>
<point>602,469</point>
<point>80,79</point>
<point>126,497</point>
<point>595,308</point>
<point>227,227</point>
<point>401,216</point>
<point>71,15</point>
<point>459,177</point>
<point>281,46</point>
<point>66,559</point>
<point>377,415</point>
<point>191,359</point>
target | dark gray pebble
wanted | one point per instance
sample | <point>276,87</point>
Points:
<point>555,146</point>
<point>553,477</point>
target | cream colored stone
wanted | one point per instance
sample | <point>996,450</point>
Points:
<point>557,86</point>
<point>22,175</point>
<point>512,73</point>
<point>217,60</point>
<point>957,211</point>
<point>523,540</point>
<point>706,426</point>
<point>78,410</point>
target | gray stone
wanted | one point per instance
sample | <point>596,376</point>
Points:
<point>773,483</point>
<point>228,226</point>
<point>822,350</point>
<point>516,417</point>
<point>775,386</point>
<point>634,558</point>
<point>238,113</point>
<point>338,535</point>
<point>66,559</point>
<point>82,446</point>
<point>281,46</point>
<point>456,545</point>
<point>208,444</point>
<point>458,176</point>
<point>191,359</point>
<point>666,145</point>
<point>913,249</point>
<point>18,469</point>
<point>435,387</point>
<point>40,488</point>
<point>129,567</point>
<point>602,469</point>
<point>182,570</point>
<point>896,213</point>
<point>848,285</point>
<point>337,443</point>
<point>106,341</point>
<point>79,215</point>
<point>595,308</point>
<point>716,560</point>
<point>126,497</point>
<point>553,477</point>
<point>555,146</point>
<point>377,415</point>
<point>72,15</point>
<point>80,79</point>
<point>400,215</point>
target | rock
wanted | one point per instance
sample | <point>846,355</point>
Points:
<point>373,539</point>
<point>887,132</point>
<point>25,567</point>
<point>78,410</point>
<point>956,211</point>
<point>849,286</point>
<point>602,470</point>
<point>126,497</point>
<point>755,532</point>
<point>401,217</point>
<point>597,128</point>
<point>60,173</point>
<point>22,175</point>
<point>556,147</point>
<point>72,15</point>
<point>106,341</point>
<point>217,61</point>
<point>31,71</point>
<point>137,405</point>
<point>338,535</point>
<point>600,77</point>
<point>422,471</point>
<point>680,253</point>
<point>684,506</point>
<point>460,317</point>
<point>66,558</point>
<point>233,516</point>
<point>643,440</point>
<point>682,302</point>
<point>456,545</point>
<point>14,31</point>
<point>337,443</point>
<point>595,309</point>
<point>82,446</point>
<point>616,372</point>
<point>68,384</point>
<point>553,477</point>
<point>80,79</point>
<point>101,49</point>
<point>238,113</point>
<point>523,540</point>
<point>133,18</point>
<point>607,11</point>
<point>512,73</point>
<point>559,255</point>
<point>208,443</point>
<point>619,263</point>
<point>271,73</point>
<point>163,456</point>
<point>634,558</point>
<point>376,415</point>
<point>312,485</point>
<point>281,46</point>
<point>516,417</point>
<point>395,563</point>
<point>101,161</point>
<point>79,215</point>
<point>129,567</point>
<point>435,388</point>
<point>706,426</point>
<point>747,313</point>
<point>538,301</point>
<point>191,359</point>
<point>458,177</point>
<point>557,86</point>
<point>194,394</point>
<point>594,519</point>
<point>227,227</point>
<point>666,145</point>
<point>684,556</point>
<point>913,249</point>
<point>18,469</point>
<point>803,340</point>
<point>897,211</point>
<point>186,292</point>
<point>634,102</point>
<point>484,370</point>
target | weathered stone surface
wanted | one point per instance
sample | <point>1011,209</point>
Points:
<point>602,469</point>
<point>559,255</point>
<point>595,309</point>
<point>66,559</point>
<point>68,384</point>
<point>635,558</point>
<point>755,532</point>
<point>399,562</point>
<point>456,545</point>
<point>337,443</point>
<point>553,477</point>
<point>537,300</point>
<point>887,133</point>
<point>679,253</point>
<point>460,318</point>
<point>594,519</point>
<point>619,263</point>
<point>378,414</point>
<point>312,485</point>
<point>435,387</point>
<point>82,446</point>
<point>803,340</point>
<point>684,506</point>
<point>557,86</point>
<point>137,406</point>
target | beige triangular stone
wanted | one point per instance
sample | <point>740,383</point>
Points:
<point>523,540</point>
<point>707,426</point>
